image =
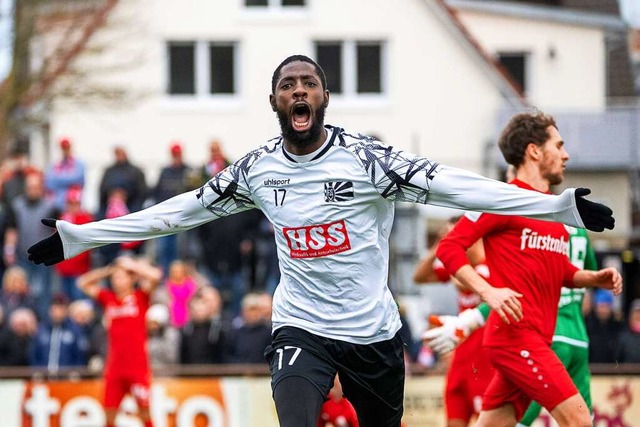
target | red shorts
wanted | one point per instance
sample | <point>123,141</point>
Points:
<point>467,379</point>
<point>526,372</point>
<point>116,386</point>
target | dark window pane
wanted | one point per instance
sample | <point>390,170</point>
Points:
<point>369,65</point>
<point>182,69</point>
<point>329,56</point>
<point>292,2</point>
<point>515,64</point>
<point>221,68</point>
<point>250,3</point>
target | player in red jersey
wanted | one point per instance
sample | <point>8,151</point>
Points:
<point>470,370</point>
<point>530,257</point>
<point>127,368</point>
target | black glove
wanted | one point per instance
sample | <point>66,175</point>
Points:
<point>47,251</point>
<point>596,216</point>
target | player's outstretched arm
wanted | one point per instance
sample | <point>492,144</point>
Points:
<point>457,188</point>
<point>221,196</point>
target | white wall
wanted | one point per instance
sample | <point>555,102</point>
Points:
<point>439,101</point>
<point>574,78</point>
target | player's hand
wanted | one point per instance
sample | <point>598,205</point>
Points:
<point>505,302</point>
<point>48,251</point>
<point>609,278</point>
<point>451,330</point>
<point>445,336</point>
<point>595,216</point>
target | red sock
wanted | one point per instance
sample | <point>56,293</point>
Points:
<point>148,423</point>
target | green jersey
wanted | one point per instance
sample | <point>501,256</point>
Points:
<point>570,327</point>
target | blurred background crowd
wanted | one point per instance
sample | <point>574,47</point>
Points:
<point>214,303</point>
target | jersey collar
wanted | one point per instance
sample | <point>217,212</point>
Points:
<point>321,151</point>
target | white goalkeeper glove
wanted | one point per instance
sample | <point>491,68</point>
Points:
<point>451,330</point>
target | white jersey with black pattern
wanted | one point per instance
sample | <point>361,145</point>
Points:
<point>332,217</point>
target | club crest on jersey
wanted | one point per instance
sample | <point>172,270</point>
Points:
<point>315,241</point>
<point>338,191</point>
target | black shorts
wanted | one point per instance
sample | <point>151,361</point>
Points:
<point>372,375</point>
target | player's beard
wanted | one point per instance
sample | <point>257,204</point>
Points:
<point>306,138</point>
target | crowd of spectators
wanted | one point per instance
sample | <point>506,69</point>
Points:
<point>214,303</point>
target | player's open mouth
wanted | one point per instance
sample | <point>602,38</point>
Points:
<point>301,117</point>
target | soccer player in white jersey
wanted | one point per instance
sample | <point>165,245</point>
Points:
<point>330,195</point>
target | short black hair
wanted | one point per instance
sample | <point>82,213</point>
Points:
<point>301,58</point>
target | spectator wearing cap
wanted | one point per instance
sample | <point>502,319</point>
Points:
<point>69,270</point>
<point>173,180</point>
<point>629,341</point>
<point>64,174</point>
<point>58,341</point>
<point>164,340</point>
<point>603,328</point>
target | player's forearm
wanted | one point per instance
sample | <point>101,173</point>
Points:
<point>450,188</point>
<point>149,273</point>
<point>90,280</point>
<point>469,278</point>
<point>179,213</point>
<point>585,279</point>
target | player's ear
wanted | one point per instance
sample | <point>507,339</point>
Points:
<point>326,98</point>
<point>533,150</point>
<point>272,101</point>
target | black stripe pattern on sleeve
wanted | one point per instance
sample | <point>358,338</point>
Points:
<point>396,175</point>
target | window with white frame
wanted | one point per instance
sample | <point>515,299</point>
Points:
<point>353,68</point>
<point>274,4</point>
<point>201,68</point>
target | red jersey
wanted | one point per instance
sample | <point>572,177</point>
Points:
<point>79,264</point>
<point>526,255</point>
<point>126,331</point>
<point>338,413</point>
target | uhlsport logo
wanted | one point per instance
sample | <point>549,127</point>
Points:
<point>317,240</point>
<point>338,191</point>
<point>276,182</point>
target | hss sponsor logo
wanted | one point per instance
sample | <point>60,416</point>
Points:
<point>317,240</point>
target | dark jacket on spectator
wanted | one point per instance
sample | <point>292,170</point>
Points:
<point>203,342</point>
<point>14,349</point>
<point>628,347</point>
<point>56,346</point>
<point>248,343</point>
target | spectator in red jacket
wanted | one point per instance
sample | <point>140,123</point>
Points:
<point>69,270</point>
